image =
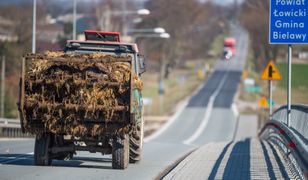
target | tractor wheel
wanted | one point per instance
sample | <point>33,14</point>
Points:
<point>135,144</point>
<point>41,150</point>
<point>120,152</point>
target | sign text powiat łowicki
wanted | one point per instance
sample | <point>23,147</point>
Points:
<point>288,22</point>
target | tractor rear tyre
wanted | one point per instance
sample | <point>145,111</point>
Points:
<point>41,150</point>
<point>120,152</point>
<point>135,144</point>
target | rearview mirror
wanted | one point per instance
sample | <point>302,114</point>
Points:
<point>142,68</point>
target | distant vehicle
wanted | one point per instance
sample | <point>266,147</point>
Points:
<point>229,48</point>
<point>227,54</point>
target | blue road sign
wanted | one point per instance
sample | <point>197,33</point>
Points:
<point>288,22</point>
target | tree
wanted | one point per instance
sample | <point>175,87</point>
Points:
<point>109,15</point>
<point>21,16</point>
<point>191,24</point>
<point>68,34</point>
<point>255,18</point>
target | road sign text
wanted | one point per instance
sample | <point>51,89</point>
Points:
<point>288,22</point>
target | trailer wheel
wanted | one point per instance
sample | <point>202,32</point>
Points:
<point>135,144</point>
<point>120,152</point>
<point>41,147</point>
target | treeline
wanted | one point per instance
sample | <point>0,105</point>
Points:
<point>192,25</point>
<point>255,19</point>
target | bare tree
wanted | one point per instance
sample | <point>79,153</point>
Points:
<point>255,18</point>
<point>103,15</point>
<point>191,24</point>
<point>109,14</point>
<point>21,16</point>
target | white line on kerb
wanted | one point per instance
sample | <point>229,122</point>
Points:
<point>235,109</point>
<point>207,112</point>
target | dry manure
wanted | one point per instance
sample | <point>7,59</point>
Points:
<point>80,95</point>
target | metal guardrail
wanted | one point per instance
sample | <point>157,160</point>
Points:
<point>292,140</point>
<point>9,121</point>
<point>10,128</point>
<point>299,118</point>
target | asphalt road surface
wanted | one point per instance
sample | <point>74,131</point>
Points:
<point>207,117</point>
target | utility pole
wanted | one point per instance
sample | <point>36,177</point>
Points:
<point>34,28</point>
<point>124,22</point>
<point>2,86</point>
<point>74,19</point>
<point>161,83</point>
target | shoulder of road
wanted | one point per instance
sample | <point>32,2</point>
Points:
<point>246,157</point>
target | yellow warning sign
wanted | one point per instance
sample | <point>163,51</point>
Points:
<point>244,75</point>
<point>263,102</point>
<point>271,72</point>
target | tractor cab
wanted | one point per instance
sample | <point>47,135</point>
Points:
<point>91,35</point>
<point>108,43</point>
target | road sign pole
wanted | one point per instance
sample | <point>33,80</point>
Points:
<point>270,99</point>
<point>289,83</point>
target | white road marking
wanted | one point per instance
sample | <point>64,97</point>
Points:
<point>235,109</point>
<point>208,112</point>
<point>17,158</point>
<point>168,124</point>
<point>174,117</point>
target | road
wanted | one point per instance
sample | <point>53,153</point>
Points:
<point>207,117</point>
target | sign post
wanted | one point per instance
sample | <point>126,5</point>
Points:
<point>271,73</point>
<point>289,83</point>
<point>270,99</point>
<point>288,25</point>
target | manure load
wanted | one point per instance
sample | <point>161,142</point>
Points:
<point>63,92</point>
<point>87,98</point>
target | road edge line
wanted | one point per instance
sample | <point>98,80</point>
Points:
<point>182,105</point>
<point>208,112</point>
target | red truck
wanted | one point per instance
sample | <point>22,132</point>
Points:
<point>229,48</point>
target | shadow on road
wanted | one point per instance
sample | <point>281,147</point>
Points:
<point>238,162</point>
<point>238,165</point>
<point>218,162</point>
<point>76,162</point>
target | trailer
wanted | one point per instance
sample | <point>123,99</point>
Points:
<point>85,98</point>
